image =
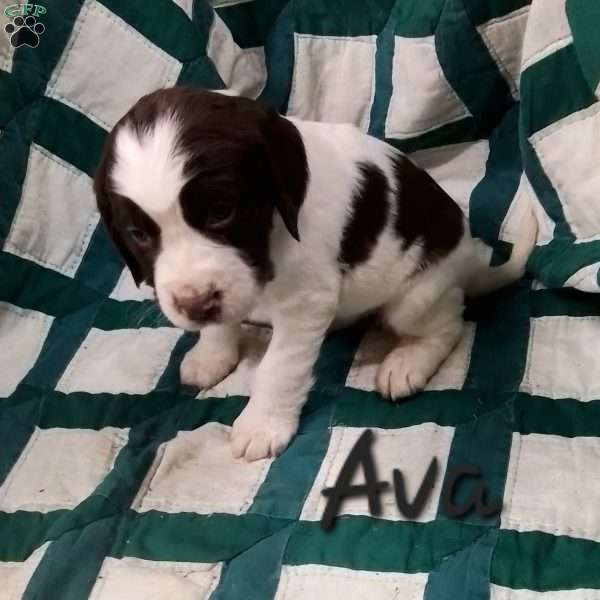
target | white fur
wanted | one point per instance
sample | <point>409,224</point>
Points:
<point>190,264</point>
<point>149,170</point>
<point>308,296</point>
<point>206,364</point>
<point>149,166</point>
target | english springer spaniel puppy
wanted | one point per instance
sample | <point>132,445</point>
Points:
<point>228,208</point>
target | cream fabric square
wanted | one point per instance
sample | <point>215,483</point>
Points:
<point>14,576</point>
<point>59,468</point>
<point>519,212</point>
<point>132,578</point>
<point>107,66</point>
<point>585,279</point>
<point>126,289</point>
<point>457,168</point>
<point>254,342</point>
<point>569,151</point>
<point>422,99</point>
<point>56,216</point>
<point>334,79</point>
<point>186,5</point>
<point>553,485</point>
<point>22,335</point>
<point>548,30</point>
<point>377,343</point>
<point>504,39</point>
<point>562,361</point>
<point>243,70</point>
<point>453,371</point>
<point>128,361</point>
<point>196,472</point>
<point>410,449</point>
<point>546,225</point>
<point>308,582</point>
<point>7,51</point>
<point>503,593</point>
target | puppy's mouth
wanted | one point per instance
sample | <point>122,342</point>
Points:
<point>210,316</point>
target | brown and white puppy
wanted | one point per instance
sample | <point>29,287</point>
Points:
<point>226,208</point>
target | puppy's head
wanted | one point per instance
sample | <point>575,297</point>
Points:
<point>188,186</point>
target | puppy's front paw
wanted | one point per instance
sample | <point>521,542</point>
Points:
<point>205,368</point>
<point>403,373</point>
<point>258,434</point>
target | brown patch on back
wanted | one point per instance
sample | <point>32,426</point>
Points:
<point>370,208</point>
<point>426,214</point>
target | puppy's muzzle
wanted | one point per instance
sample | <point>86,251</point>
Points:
<point>199,308</point>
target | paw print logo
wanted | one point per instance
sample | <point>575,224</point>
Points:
<point>24,31</point>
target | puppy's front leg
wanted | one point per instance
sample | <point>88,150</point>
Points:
<point>282,382</point>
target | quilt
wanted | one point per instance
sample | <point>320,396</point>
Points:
<point>117,483</point>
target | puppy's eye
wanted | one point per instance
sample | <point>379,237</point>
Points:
<point>139,237</point>
<point>221,214</point>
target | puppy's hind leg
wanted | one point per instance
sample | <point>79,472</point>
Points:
<point>213,357</point>
<point>428,335</point>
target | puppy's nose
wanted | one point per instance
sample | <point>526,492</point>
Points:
<point>199,307</point>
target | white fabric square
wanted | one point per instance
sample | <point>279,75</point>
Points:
<point>132,578</point>
<point>409,449</point>
<point>548,30</point>
<point>126,289</point>
<point>503,593</point>
<point>186,5</point>
<point>546,225</point>
<point>553,485</point>
<point>22,335</point>
<point>562,361</point>
<point>7,51</point>
<point>422,99</point>
<point>128,361</point>
<point>254,342</point>
<point>14,576</point>
<point>334,79</point>
<point>307,582</point>
<point>585,279</point>
<point>519,212</point>
<point>457,168</point>
<point>376,345</point>
<point>196,472</point>
<point>59,468</point>
<point>107,66</point>
<point>504,39</point>
<point>569,151</point>
<point>453,371</point>
<point>243,70</point>
<point>56,216</point>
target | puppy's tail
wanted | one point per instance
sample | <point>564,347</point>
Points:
<point>487,279</point>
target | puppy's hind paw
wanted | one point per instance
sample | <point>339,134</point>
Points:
<point>402,374</point>
<point>257,434</point>
<point>205,369</point>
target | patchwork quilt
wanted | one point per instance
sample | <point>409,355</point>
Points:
<point>117,483</point>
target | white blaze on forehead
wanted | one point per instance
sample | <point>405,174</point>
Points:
<point>148,166</point>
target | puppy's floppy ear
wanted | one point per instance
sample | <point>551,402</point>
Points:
<point>104,195</point>
<point>289,169</point>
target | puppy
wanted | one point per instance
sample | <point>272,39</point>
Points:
<point>228,208</point>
